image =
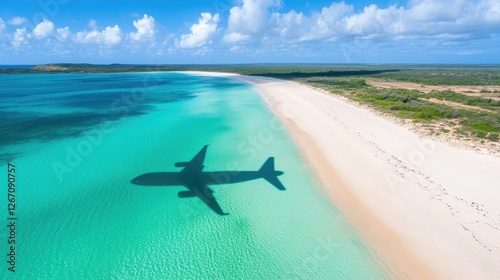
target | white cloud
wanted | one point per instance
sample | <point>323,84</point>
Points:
<point>43,29</point>
<point>201,32</point>
<point>424,18</point>
<point>249,19</point>
<point>236,37</point>
<point>19,37</point>
<point>373,22</point>
<point>145,29</point>
<point>327,24</point>
<point>62,33</point>
<point>17,21</point>
<point>109,36</point>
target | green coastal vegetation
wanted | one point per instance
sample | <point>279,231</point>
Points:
<point>469,114</point>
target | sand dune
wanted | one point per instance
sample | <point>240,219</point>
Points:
<point>429,210</point>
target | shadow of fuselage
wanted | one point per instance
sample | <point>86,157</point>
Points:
<point>208,178</point>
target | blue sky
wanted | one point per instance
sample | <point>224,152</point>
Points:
<point>249,31</point>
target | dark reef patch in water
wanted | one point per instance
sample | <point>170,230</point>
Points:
<point>23,126</point>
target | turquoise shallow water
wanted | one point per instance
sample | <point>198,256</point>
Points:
<point>78,140</point>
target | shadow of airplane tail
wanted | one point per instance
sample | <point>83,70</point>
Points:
<point>268,172</point>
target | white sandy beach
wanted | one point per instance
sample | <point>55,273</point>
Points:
<point>429,210</point>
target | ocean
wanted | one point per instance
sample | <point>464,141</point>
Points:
<point>77,141</point>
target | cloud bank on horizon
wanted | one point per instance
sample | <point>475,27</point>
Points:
<point>440,31</point>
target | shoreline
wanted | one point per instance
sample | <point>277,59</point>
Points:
<point>419,203</point>
<point>345,201</point>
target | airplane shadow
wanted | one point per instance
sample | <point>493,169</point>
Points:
<point>198,181</point>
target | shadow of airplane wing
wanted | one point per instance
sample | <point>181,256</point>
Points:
<point>195,164</point>
<point>206,195</point>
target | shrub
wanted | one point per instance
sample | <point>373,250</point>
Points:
<point>493,137</point>
<point>480,134</point>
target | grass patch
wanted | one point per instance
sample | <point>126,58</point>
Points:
<point>486,127</point>
<point>338,83</point>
